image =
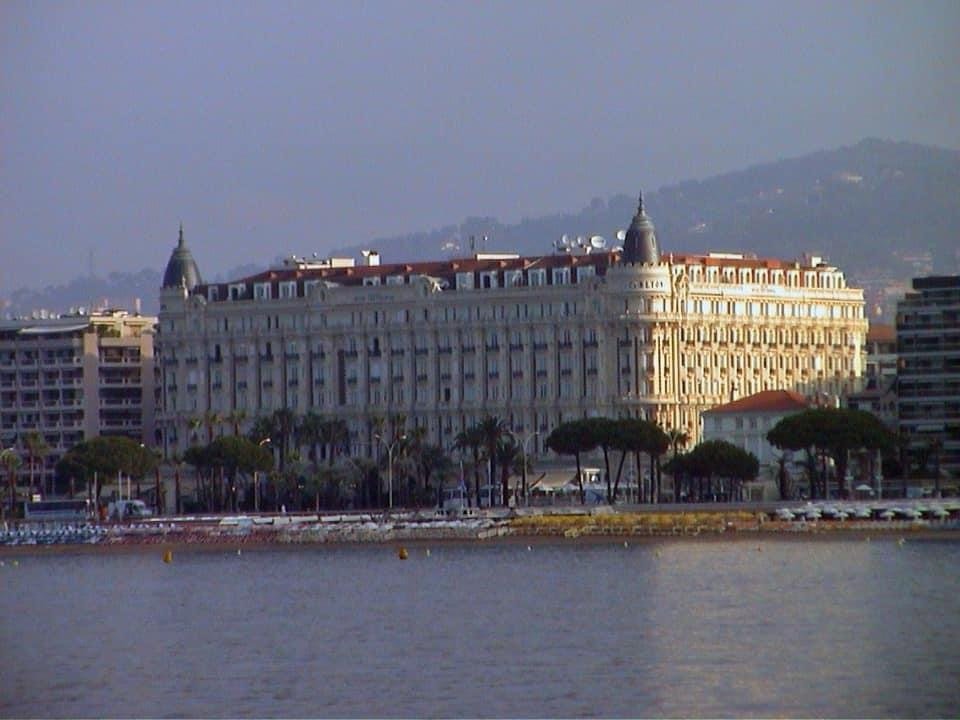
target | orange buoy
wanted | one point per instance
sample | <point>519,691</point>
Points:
<point>402,553</point>
<point>168,556</point>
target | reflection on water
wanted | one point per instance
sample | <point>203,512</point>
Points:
<point>765,627</point>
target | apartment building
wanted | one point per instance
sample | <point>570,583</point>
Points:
<point>928,379</point>
<point>534,340</point>
<point>71,378</point>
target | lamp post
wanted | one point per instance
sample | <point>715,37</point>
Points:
<point>390,448</point>
<point>256,480</point>
<point>523,459</point>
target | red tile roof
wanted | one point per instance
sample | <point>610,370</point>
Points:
<point>879,332</point>
<point>766,401</point>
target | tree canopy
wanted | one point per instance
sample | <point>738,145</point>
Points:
<point>834,432</point>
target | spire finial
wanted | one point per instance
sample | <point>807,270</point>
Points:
<point>640,204</point>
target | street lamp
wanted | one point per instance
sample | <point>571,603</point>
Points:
<point>523,459</point>
<point>256,480</point>
<point>389,448</point>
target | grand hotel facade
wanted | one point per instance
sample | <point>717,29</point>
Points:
<point>535,341</point>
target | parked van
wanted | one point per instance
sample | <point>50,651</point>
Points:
<point>128,510</point>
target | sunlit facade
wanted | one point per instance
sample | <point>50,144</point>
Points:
<point>73,378</point>
<point>533,340</point>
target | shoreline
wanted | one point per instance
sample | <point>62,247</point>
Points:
<point>203,542</point>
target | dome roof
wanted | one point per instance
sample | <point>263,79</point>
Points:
<point>640,244</point>
<point>182,270</point>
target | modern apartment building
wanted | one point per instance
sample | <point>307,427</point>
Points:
<point>533,340</point>
<point>928,384</point>
<point>72,378</point>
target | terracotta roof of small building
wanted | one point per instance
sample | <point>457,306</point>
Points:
<point>878,332</point>
<point>766,401</point>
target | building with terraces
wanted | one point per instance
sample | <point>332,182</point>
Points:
<point>928,378</point>
<point>535,341</point>
<point>71,378</point>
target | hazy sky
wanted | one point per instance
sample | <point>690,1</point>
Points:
<point>278,127</point>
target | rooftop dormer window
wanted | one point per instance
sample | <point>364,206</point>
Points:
<point>261,291</point>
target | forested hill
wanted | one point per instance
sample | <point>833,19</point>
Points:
<point>875,204</point>
<point>882,211</point>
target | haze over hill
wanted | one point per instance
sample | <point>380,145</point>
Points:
<point>882,211</point>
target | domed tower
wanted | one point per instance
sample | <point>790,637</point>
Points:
<point>640,244</point>
<point>182,270</point>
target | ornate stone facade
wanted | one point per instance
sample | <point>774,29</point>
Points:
<point>533,340</point>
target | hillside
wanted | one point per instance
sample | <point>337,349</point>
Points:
<point>882,211</point>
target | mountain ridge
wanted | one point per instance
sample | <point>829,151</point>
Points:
<point>883,211</point>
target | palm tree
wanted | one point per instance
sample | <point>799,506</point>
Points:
<point>677,439</point>
<point>37,448</point>
<point>334,434</point>
<point>11,462</point>
<point>472,440</point>
<point>936,447</point>
<point>491,429</point>
<point>310,431</point>
<point>177,465</point>
<point>509,457</point>
<point>195,423</point>
<point>236,417</point>
<point>211,419</point>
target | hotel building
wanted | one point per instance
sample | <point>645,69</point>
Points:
<point>535,341</point>
<point>73,378</point>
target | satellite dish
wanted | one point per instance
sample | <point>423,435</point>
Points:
<point>621,235</point>
<point>563,244</point>
<point>598,242</point>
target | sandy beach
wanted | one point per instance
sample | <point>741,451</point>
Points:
<point>228,534</point>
